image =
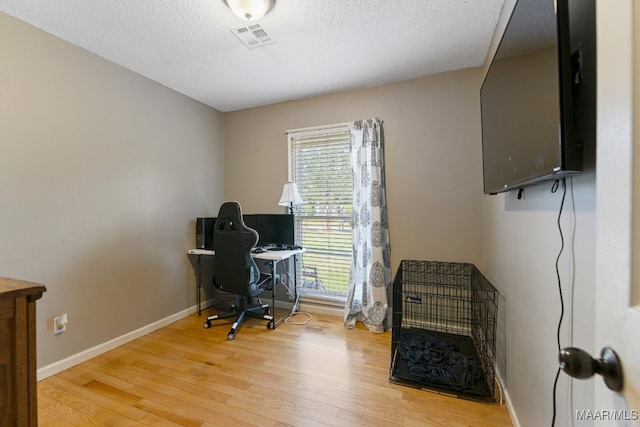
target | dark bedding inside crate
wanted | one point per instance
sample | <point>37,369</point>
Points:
<point>442,361</point>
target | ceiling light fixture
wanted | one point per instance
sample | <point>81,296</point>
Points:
<point>250,10</point>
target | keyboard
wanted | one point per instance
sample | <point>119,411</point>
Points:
<point>283,248</point>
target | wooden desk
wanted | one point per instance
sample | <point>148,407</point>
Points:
<point>18,388</point>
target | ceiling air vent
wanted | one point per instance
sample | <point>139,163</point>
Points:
<point>253,35</point>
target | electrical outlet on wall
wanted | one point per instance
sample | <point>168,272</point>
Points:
<point>60,323</point>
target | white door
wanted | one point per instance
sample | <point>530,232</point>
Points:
<point>618,206</point>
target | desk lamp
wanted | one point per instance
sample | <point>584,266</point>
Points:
<point>290,196</point>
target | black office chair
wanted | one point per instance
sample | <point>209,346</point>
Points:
<point>235,271</point>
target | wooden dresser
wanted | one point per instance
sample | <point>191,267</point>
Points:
<point>18,392</point>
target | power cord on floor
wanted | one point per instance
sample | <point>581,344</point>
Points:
<point>288,321</point>
<point>294,312</point>
<point>296,304</point>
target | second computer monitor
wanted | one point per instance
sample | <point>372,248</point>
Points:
<point>275,229</point>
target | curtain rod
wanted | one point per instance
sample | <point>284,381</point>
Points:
<point>314,128</point>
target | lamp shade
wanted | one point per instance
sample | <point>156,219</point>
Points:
<point>250,10</point>
<point>290,195</point>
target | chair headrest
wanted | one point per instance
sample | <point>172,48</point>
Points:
<point>230,210</point>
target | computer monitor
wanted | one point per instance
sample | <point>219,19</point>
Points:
<point>205,226</point>
<point>275,229</point>
<point>249,220</point>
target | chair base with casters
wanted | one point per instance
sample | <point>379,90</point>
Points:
<point>258,311</point>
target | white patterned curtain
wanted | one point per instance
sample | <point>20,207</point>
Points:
<point>369,295</point>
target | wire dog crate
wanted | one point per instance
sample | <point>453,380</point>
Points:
<point>444,329</point>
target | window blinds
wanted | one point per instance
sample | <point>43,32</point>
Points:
<point>320,166</point>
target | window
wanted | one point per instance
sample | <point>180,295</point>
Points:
<point>320,165</point>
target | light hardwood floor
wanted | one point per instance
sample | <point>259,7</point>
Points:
<point>317,374</point>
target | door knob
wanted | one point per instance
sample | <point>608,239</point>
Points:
<point>577,363</point>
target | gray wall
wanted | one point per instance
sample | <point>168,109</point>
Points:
<point>520,244</point>
<point>101,174</point>
<point>432,157</point>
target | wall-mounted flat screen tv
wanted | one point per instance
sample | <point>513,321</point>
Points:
<point>538,97</point>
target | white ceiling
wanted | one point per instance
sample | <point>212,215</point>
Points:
<point>321,46</point>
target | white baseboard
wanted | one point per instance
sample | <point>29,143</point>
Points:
<point>329,310</point>
<point>507,400</point>
<point>83,356</point>
<point>315,306</point>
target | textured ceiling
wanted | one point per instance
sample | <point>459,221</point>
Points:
<point>321,46</point>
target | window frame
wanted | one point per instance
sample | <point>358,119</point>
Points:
<point>331,298</point>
